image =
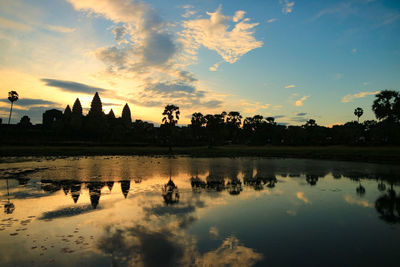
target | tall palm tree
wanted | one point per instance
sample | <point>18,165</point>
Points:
<point>171,116</point>
<point>358,112</point>
<point>12,96</point>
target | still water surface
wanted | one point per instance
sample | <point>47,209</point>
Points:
<point>159,211</point>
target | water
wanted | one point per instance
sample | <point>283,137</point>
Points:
<point>215,211</point>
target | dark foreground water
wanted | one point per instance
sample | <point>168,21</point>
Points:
<point>102,211</point>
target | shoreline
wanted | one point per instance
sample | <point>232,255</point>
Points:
<point>389,155</point>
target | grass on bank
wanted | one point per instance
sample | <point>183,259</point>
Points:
<point>369,154</point>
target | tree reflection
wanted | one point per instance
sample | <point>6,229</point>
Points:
<point>388,206</point>
<point>170,193</point>
<point>9,206</point>
<point>360,190</point>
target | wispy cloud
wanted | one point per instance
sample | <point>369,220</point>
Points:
<point>359,202</point>
<point>13,25</point>
<point>29,102</point>
<point>62,29</point>
<point>70,86</point>
<point>350,98</point>
<point>287,7</point>
<point>354,50</point>
<point>302,196</point>
<point>290,86</point>
<point>300,102</point>
<point>301,114</point>
<point>272,20</point>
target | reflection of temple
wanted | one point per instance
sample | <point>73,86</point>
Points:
<point>170,193</point>
<point>95,192</point>
<point>125,186</point>
<point>75,190</point>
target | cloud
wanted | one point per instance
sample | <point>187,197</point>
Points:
<point>171,87</point>
<point>342,9</point>
<point>349,98</point>
<point>69,86</point>
<point>338,76</point>
<point>61,29</point>
<point>27,102</point>
<point>301,196</point>
<point>119,32</point>
<point>14,25</point>
<point>277,107</point>
<point>147,52</point>
<point>214,67</point>
<point>287,7</point>
<point>299,102</point>
<point>215,34</point>
<point>279,116</point>
<point>272,20</point>
<point>299,119</point>
<point>354,50</point>
<point>230,253</point>
<point>301,114</point>
<point>363,203</point>
<point>290,86</point>
<point>214,231</point>
<point>239,15</point>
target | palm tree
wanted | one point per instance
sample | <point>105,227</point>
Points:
<point>171,116</point>
<point>12,96</point>
<point>358,112</point>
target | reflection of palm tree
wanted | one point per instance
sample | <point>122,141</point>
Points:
<point>360,190</point>
<point>170,192</point>
<point>234,186</point>
<point>312,179</point>
<point>388,205</point>
<point>12,96</point>
<point>8,207</point>
<point>197,184</point>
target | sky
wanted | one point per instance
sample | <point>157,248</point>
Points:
<point>292,60</point>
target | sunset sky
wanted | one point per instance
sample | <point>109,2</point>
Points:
<point>293,60</point>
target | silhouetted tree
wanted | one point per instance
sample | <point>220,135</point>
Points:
<point>171,115</point>
<point>197,123</point>
<point>386,106</point>
<point>271,120</point>
<point>25,121</point>
<point>12,97</point>
<point>358,112</point>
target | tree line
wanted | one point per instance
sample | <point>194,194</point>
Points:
<point>71,125</point>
